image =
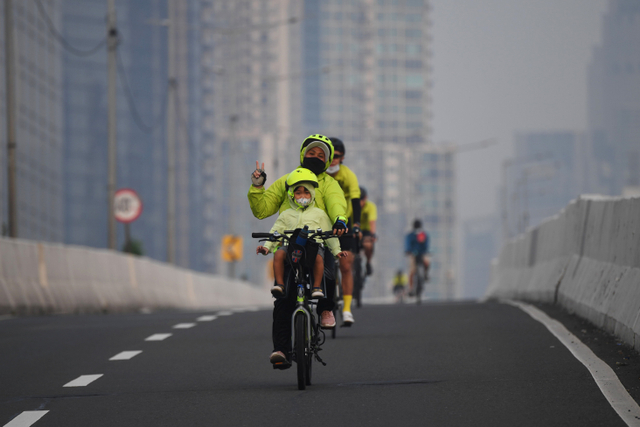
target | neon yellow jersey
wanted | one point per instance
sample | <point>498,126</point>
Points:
<point>349,183</point>
<point>400,280</point>
<point>369,213</point>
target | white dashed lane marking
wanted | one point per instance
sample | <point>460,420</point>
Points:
<point>158,337</point>
<point>126,355</point>
<point>26,419</point>
<point>206,318</point>
<point>184,325</point>
<point>83,380</point>
<point>225,313</point>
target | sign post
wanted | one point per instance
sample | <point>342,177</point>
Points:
<point>127,207</point>
<point>231,251</point>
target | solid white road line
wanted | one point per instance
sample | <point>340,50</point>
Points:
<point>184,325</point>
<point>158,337</point>
<point>605,377</point>
<point>26,419</point>
<point>206,318</point>
<point>126,355</point>
<point>83,380</point>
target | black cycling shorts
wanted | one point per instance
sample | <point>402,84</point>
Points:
<point>348,243</point>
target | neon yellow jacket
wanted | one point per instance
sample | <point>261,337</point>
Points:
<point>328,196</point>
<point>314,217</point>
<point>349,183</point>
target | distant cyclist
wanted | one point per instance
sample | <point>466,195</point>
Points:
<point>416,246</point>
<point>368,219</point>
<point>399,285</point>
<point>349,183</point>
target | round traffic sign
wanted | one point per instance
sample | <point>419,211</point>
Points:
<point>127,205</point>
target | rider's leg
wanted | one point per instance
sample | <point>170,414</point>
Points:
<point>412,272</point>
<point>318,269</point>
<point>427,263</point>
<point>278,266</point>
<point>281,329</point>
<point>346,264</point>
<point>327,303</point>
<point>368,247</point>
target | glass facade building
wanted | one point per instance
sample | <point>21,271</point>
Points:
<point>37,70</point>
<point>614,102</point>
<point>142,101</point>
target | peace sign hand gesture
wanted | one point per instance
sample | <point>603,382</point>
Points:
<point>259,176</point>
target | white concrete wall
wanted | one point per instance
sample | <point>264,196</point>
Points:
<point>49,278</point>
<point>586,258</point>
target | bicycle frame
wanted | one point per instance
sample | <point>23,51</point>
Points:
<point>301,307</point>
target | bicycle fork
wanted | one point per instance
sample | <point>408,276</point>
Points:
<point>301,307</point>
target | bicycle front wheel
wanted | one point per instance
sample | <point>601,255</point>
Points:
<point>300,324</point>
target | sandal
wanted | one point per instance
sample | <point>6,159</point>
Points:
<point>277,291</point>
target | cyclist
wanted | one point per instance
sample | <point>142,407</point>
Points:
<point>316,154</point>
<point>301,185</point>
<point>368,219</point>
<point>399,285</point>
<point>416,245</point>
<point>349,183</point>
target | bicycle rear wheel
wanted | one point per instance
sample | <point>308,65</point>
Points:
<point>418,286</point>
<point>300,349</point>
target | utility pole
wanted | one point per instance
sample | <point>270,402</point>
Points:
<point>112,43</point>
<point>11,119</point>
<point>171,132</point>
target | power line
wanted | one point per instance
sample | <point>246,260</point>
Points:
<point>65,44</point>
<point>135,114</point>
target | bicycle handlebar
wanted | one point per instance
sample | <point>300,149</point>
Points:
<point>286,234</point>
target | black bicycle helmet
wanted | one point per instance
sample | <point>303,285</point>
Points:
<point>363,193</point>
<point>338,145</point>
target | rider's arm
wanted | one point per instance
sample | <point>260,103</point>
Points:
<point>265,203</point>
<point>279,226</point>
<point>372,226</point>
<point>356,209</point>
<point>334,202</point>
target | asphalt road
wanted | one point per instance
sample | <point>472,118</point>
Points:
<point>458,364</point>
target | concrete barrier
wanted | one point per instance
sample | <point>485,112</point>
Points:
<point>586,258</point>
<point>38,278</point>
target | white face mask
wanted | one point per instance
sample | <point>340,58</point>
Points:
<point>303,201</point>
<point>333,169</point>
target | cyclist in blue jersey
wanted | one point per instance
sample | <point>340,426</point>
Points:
<point>416,246</point>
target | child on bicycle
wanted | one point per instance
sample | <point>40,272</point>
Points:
<point>301,185</point>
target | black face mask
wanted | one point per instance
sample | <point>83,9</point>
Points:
<point>314,164</point>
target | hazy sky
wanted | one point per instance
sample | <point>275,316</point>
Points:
<point>503,66</point>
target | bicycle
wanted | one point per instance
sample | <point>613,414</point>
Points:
<point>421,274</point>
<point>306,335</point>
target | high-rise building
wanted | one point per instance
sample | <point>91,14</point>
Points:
<point>614,102</point>
<point>143,100</point>
<point>276,71</point>
<point>37,70</point>
<point>481,243</point>
<point>547,173</point>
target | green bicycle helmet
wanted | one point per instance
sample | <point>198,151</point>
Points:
<point>321,141</point>
<point>304,177</point>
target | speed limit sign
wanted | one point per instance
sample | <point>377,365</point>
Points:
<point>127,205</point>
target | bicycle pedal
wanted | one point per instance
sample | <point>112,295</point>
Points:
<point>281,365</point>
